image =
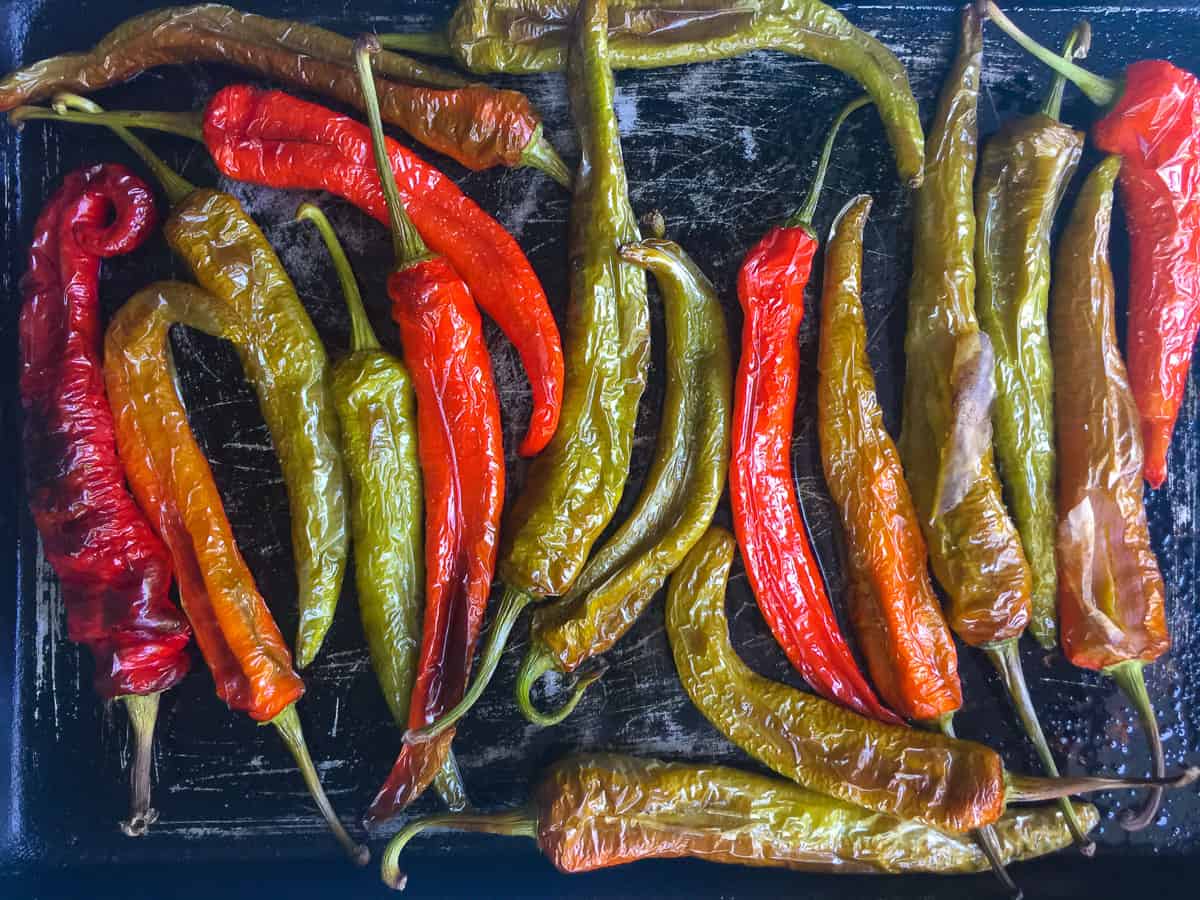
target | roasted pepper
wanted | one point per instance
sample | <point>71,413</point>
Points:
<point>477,125</point>
<point>1023,173</point>
<point>1110,592</point>
<point>679,495</point>
<point>598,810</point>
<point>524,36</point>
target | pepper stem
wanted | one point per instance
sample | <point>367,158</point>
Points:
<point>1007,659</point>
<point>428,43</point>
<point>288,725</point>
<point>539,153</point>
<point>1101,91</point>
<point>538,661</point>
<point>1076,46</point>
<point>362,335</point>
<point>143,713</point>
<point>803,217</point>
<point>1128,676</point>
<point>1034,789</point>
<point>406,240</point>
<point>511,606</point>
<point>513,823</point>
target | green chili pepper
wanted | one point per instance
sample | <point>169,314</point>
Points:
<point>572,489</point>
<point>681,491</point>
<point>526,36</point>
<point>1023,173</point>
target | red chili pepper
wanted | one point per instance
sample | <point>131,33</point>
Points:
<point>780,564</point>
<point>115,573</point>
<point>459,443</point>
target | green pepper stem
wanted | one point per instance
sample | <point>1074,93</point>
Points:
<point>362,335</point>
<point>538,661</point>
<point>803,217</point>
<point>1101,91</point>
<point>406,240</point>
<point>143,713</point>
<point>448,782</point>
<point>1129,677</point>
<point>539,153</point>
<point>1034,789</point>
<point>1076,46</point>
<point>288,725</point>
<point>1007,659</point>
<point>520,822</point>
<point>428,43</point>
<point>511,606</point>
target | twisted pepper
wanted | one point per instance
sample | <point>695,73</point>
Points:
<point>571,491</point>
<point>1024,170</point>
<point>939,781</point>
<point>462,464</point>
<point>679,496</point>
<point>780,563</point>
<point>598,810</point>
<point>478,126</point>
<point>172,482</point>
<point>114,571</point>
<point>525,36</point>
<point>1110,592</point>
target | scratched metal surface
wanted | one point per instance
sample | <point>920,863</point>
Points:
<point>723,149</point>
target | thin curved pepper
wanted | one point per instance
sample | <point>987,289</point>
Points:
<point>679,495</point>
<point>526,36</point>
<point>1023,172</point>
<point>571,491</point>
<point>476,125</point>
<point>780,564</point>
<point>114,571</point>
<point>593,811</point>
<point>1111,593</point>
<point>461,453</point>
<point>173,484</point>
<point>1152,120</point>
<point>939,781</point>
<point>283,359</point>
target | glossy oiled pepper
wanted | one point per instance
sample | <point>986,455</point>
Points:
<point>598,810</point>
<point>477,125</point>
<point>1110,591</point>
<point>679,495</point>
<point>1153,122</point>
<point>571,491</point>
<point>115,573</point>
<point>522,36</point>
<point>461,452</point>
<point>780,563</point>
<point>931,778</point>
<point>1023,172</point>
<point>172,482</point>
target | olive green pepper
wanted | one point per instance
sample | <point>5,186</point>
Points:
<point>679,496</point>
<point>1023,173</point>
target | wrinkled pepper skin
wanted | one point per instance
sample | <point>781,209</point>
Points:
<point>524,36</point>
<point>1023,172</point>
<point>173,483</point>
<point>1110,590</point>
<point>1155,127</point>
<point>914,774</point>
<point>896,614</point>
<point>945,438</point>
<point>115,572</point>
<point>286,363</point>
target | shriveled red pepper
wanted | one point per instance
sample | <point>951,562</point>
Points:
<point>460,447</point>
<point>771,532</point>
<point>115,572</point>
<point>1153,123</point>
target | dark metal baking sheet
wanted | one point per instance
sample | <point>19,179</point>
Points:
<point>723,149</point>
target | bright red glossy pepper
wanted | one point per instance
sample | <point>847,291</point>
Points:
<point>115,573</point>
<point>460,447</point>
<point>780,563</point>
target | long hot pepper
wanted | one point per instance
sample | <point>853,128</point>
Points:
<point>1111,594</point>
<point>780,563</point>
<point>461,452</point>
<point>115,572</point>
